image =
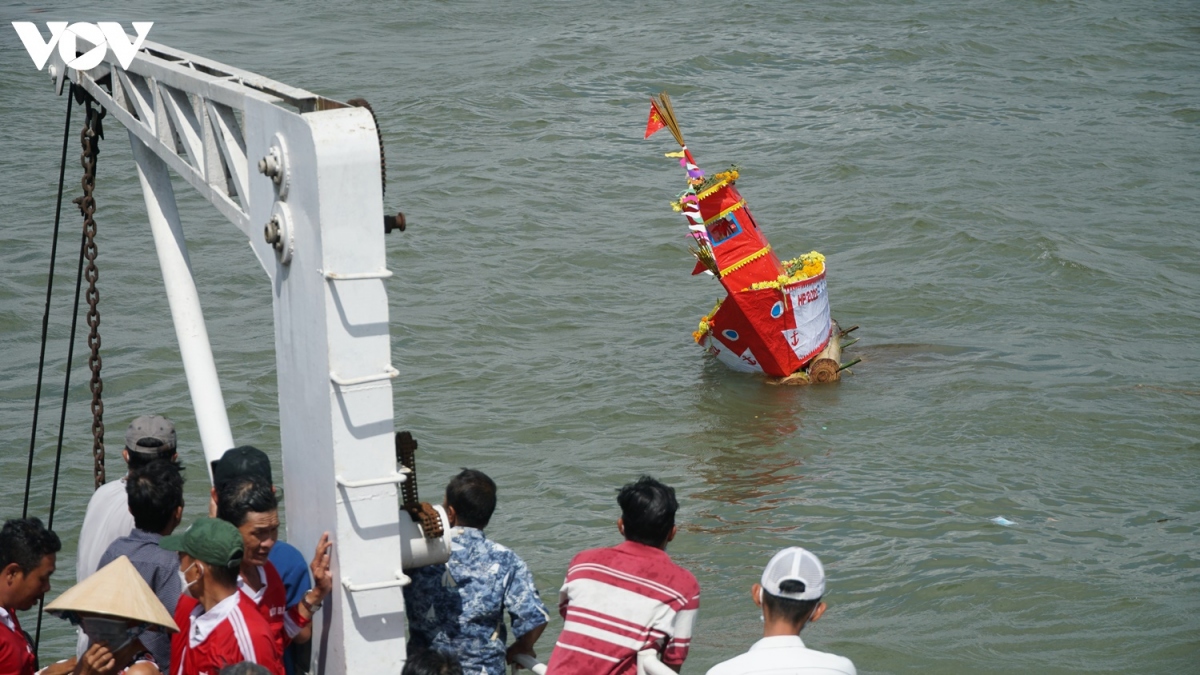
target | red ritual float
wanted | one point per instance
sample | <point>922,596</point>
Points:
<point>774,318</point>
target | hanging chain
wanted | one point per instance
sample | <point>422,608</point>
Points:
<point>362,103</point>
<point>90,137</point>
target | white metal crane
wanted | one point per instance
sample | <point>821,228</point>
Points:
<point>299,175</point>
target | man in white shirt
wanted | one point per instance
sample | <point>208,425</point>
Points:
<point>148,438</point>
<point>790,598</point>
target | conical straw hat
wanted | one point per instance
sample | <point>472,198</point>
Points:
<point>115,590</point>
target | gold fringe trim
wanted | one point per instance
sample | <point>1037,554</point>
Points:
<point>745,261</point>
<point>724,178</point>
<point>716,186</point>
<point>735,207</point>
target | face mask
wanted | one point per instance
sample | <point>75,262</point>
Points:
<point>115,632</point>
<point>187,587</point>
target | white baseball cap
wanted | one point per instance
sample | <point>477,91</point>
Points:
<point>795,564</point>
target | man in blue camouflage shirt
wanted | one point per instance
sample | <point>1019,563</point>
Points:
<point>459,607</point>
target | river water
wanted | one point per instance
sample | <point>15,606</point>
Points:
<point>1007,194</point>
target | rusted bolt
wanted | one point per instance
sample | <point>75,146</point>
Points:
<point>395,222</point>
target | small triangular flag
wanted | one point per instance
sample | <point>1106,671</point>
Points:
<point>655,122</point>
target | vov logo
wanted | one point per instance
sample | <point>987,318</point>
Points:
<point>104,34</point>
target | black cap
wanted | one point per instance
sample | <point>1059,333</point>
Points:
<point>245,461</point>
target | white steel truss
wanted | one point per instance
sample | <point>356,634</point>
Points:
<point>299,175</point>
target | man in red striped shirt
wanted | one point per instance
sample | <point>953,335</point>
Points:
<point>621,600</point>
<point>218,626</point>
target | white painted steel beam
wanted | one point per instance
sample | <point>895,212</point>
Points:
<point>211,124</point>
<point>203,383</point>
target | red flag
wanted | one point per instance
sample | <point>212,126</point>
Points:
<point>655,122</point>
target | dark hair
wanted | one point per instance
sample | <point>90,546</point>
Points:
<point>25,541</point>
<point>226,576</point>
<point>648,509</point>
<point>795,612</point>
<point>154,491</point>
<point>241,496</point>
<point>473,496</point>
<point>431,662</point>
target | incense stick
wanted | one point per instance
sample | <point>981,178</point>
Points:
<point>663,103</point>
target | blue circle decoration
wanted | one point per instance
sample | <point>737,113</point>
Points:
<point>730,334</point>
<point>777,310</point>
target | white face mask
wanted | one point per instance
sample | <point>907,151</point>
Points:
<point>114,632</point>
<point>187,587</point>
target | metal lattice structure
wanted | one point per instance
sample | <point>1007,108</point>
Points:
<point>299,175</point>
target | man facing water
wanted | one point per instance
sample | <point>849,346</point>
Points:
<point>148,438</point>
<point>789,595</point>
<point>621,600</point>
<point>155,494</point>
<point>459,607</point>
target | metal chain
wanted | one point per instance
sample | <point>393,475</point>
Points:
<point>90,137</point>
<point>362,103</point>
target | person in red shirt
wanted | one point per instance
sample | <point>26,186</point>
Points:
<point>218,626</point>
<point>28,553</point>
<point>631,597</point>
<point>249,504</point>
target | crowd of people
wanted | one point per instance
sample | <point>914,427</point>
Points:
<point>227,596</point>
<point>615,602</point>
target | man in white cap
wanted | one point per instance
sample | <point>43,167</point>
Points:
<point>790,598</point>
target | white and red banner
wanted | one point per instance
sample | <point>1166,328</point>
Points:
<point>810,310</point>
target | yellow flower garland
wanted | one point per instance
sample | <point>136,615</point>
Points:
<point>806,266</point>
<point>706,323</point>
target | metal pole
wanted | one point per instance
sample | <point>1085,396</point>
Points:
<point>211,418</point>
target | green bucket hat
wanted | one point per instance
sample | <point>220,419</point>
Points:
<point>209,540</point>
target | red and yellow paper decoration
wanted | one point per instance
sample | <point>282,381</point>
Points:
<point>775,316</point>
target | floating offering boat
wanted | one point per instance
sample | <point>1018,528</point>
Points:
<point>774,318</point>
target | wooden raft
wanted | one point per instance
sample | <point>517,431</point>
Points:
<point>826,366</point>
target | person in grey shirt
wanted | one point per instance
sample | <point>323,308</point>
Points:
<point>148,438</point>
<point>155,493</point>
